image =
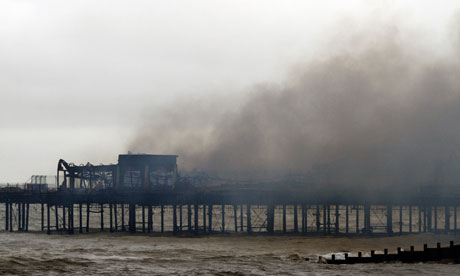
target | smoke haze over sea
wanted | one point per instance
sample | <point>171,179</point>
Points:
<point>374,110</point>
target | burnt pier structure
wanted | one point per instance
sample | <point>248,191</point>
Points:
<point>144,193</point>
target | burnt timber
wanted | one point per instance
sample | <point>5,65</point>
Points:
<point>144,193</point>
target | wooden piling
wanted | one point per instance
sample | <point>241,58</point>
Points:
<point>337,218</point>
<point>346,219</point>
<point>27,217</point>
<point>357,218</point>
<point>296,222</point>
<point>88,208</point>
<point>180,218</point>
<point>210,218</point>
<point>410,219</point>
<point>389,219</point>
<point>447,219</point>
<point>115,216</point>
<point>174,219</point>
<point>162,217</point>
<point>64,222</point>
<point>102,217</point>
<point>270,218</point>
<point>241,218</point>
<point>143,219</point>
<point>80,217</point>
<point>42,217</point>
<point>318,219</point>
<point>19,217</point>
<point>248,217</point>
<point>324,219</point>
<point>150,218</point>
<point>400,219</point>
<point>420,219</point>
<point>284,218</point>
<point>48,219</point>
<point>455,218</point>
<point>195,216</point>
<point>70,211</point>
<point>132,218</point>
<point>304,223</point>
<point>123,225</point>
<point>7,216</point>
<point>223,218</point>
<point>11,217</point>
<point>436,218</point>
<point>189,217</point>
<point>56,212</point>
<point>111,218</point>
<point>204,218</point>
<point>235,216</point>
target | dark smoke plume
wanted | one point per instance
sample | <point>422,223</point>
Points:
<point>372,114</point>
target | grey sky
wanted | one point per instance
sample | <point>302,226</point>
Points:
<point>76,77</point>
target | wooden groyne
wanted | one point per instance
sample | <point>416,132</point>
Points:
<point>449,254</point>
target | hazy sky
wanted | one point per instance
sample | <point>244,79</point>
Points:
<point>77,77</point>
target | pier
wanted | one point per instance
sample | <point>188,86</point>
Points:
<point>144,194</point>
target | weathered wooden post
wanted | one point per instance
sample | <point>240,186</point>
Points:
<point>241,218</point>
<point>115,216</point>
<point>88,208</point>
<point>324,219</point>
<point>143,218</point>
<point>195,216</point>
<point>447,219</point>
<point>318,219</point>
<point>7,214</point>
<point>102,217</point>
<point>56,213</point>
<point>189,217</point>
<point>19,217</point>
<point>346,219</point>
<point>296,221</point>
<point>357,218</point>
<point>436,218</point>
<point>180,218</point>
<point>304,221</point>
<point>162,217</point>
<point>132,218</point>
<point>284,218</point>
<point>48,219</point>
<point>420,219</point>
<point>64,218</point>
<point>111,218</point>
<point>235,216</point>
<point>270,218</point>
<point>389,219</point>
<point>70,210</point>
<point>429,218</point>
<point>204,218</point>
<point>80,217</point>
<point>42,217</point>
<point>174,218</point>
<point>210,218</point>
<point>410,219</point>
<point>337,218</point>
<point>123,227</point>
<point>223,217</point>
<point>248,216</point>
<point>400,219</point>
<point>11,217</point>
<point>455,218</point>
